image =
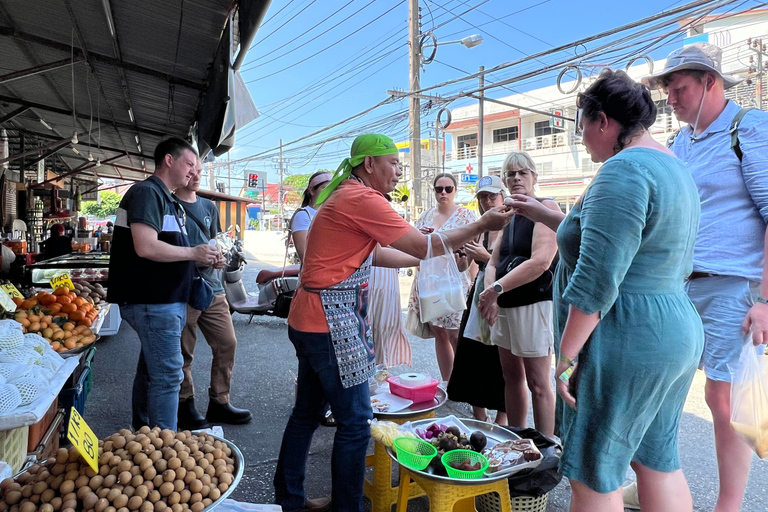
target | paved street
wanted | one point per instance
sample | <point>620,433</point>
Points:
<point>263,382</point>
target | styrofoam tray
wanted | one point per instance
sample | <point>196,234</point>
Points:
<point>396,403</point>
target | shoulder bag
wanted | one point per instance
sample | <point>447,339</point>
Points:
<point>538,290</point>
<point>200,293</point>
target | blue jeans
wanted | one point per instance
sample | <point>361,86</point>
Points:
<point>158,373</point>
<point>318,382</point>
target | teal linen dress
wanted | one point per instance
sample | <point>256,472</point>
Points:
<point>625,251</point>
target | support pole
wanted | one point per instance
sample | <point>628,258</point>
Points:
<point>480,125</point>
<point>414,118</point>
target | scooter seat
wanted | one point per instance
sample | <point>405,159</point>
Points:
<point>267,274</point>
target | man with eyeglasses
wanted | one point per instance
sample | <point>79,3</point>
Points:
<point>150,248</point>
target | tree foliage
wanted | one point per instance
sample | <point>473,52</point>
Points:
<point>110,201</point>
<point>299,182</point>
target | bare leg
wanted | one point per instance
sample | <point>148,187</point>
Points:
<point>445,348</point>
<point>501,419</point>
<point>539,377</point>
<point>584,499</point>
<point>515,391</point>
<point>480,413</point>
<point>662,492</point>
<point>733,454</point>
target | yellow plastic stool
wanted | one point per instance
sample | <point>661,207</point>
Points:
<point>379,489</point>
<point>448,497</point>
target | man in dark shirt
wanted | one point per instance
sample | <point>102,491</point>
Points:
<point>57,244</point>
<point>150,273</point>
<point>215,323</point>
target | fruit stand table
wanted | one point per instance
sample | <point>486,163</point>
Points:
<point>379,489</point>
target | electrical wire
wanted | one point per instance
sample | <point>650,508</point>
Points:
<point>254,45</point>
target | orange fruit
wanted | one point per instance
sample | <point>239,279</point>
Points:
<point>63,299</point>
<point>55,345</point>
<point>70,344</point>
<point>61,290</point>
<point>68,308</point>
<point>69,326</point>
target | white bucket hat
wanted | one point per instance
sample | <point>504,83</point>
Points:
<point>697,56</point>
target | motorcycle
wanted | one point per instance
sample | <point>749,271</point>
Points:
<point>275,285</point>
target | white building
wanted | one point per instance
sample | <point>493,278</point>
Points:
<point>564,166</point>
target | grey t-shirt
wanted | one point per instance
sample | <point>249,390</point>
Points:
<point>205,212</point>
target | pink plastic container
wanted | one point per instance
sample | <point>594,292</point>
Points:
<point>417,394</point>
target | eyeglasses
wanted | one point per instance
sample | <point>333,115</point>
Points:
<point>448,190</point>
<point>487,196</point>
<point>522,172</point>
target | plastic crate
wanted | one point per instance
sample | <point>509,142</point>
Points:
<point>492,503</point>
<point>13,447</point>
<point>75,397</point>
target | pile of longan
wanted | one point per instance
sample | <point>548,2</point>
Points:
<point>148,471</point>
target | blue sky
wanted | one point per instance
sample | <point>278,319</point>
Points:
<point>359,59</point>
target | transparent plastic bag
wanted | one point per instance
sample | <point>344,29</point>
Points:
<point>749,400</point>
<point>441,291</point>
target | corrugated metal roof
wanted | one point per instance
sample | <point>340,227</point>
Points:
<point>158,63</point>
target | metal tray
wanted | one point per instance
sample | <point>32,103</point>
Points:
<point>237,456</point>
<point>416,409</point>
<point>491,431</point>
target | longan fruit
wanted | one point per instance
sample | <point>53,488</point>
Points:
<point>129,491</point>
<point>101,505</point>
<point>177,508</point>
<point>185,495</point>
<point>134,503</point>
<point>56,503</point>
<point>121,501</point>
<point>46,507</point>
<point>160,506</point>
<point>154,496</point>
<point>137,480</point>
<point>90,500</point>
<point>166,489</point>
<point>13,497</point>
<point>48,495</point>
<point>96,482</point>
<point>147,507</point>
<point>196,497</point>
<point>102,493</point>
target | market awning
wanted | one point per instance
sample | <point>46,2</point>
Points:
<point>121,74</point>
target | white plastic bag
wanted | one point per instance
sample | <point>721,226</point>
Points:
<point>749,400</point>
<point>441,291</point>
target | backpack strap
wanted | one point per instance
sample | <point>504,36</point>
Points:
<point>734,131</point>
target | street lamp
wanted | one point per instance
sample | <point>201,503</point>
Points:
<point>415,60</point>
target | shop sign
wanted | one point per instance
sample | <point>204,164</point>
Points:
<point>6,302</point>
<point>83,439</point>
<point>62,280</point>
<point>12,291</point>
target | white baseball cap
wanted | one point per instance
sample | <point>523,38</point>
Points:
<point>490,184</point>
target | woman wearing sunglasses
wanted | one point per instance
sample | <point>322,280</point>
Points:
<point>302,218</point>
<point>519,309</point>
<point>446,215</point>
<point>630,339</point>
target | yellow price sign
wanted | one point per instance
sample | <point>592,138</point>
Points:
<point>82,437</point>
<point>12,291</point>
<point>62,280</point>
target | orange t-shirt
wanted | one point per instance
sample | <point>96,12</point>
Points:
<point>344,232</point>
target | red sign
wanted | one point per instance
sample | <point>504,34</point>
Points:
<point>469,167</point>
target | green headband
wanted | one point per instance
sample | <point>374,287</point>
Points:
<point>370,144</point>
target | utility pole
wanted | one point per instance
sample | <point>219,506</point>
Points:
<point>229,174</point>
<point>280,193</point>
<point>414,119</point>
<point>480,126</point>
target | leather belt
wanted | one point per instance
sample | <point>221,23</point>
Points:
<point>696,275</point>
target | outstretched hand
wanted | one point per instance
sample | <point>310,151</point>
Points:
<point>496,218</point>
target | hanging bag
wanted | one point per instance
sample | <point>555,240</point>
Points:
<point>201,292</point>
<point>441,291</point>
<point>749,400</point>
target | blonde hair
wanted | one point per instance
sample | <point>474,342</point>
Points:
<point>519,159</point>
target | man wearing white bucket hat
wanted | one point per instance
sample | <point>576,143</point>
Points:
<point>726,150</point>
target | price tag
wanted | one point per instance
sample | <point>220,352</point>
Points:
<point>82,437</point>
<point>6,302</point>
<point>12,291</point>
<point>62,280</point>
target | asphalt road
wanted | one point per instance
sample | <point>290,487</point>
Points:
<point>263,383</point>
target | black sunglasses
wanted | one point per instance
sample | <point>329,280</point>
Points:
<point>448,190</point>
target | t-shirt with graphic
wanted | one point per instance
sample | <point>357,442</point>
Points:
<point>205,211</point>
<point>137,280</point>
<point>344,233</point>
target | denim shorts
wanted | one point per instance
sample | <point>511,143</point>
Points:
<point>723,303</point>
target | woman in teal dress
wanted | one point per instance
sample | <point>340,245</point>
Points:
<point>627,331</point>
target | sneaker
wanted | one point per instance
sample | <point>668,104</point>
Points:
<point>631,499</point>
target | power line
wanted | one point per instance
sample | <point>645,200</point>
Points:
<point>254,45</point>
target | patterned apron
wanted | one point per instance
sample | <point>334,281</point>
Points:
<point>346,309</point>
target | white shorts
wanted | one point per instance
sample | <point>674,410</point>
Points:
<point>526,331</point>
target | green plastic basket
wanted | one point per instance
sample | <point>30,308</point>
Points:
<point>414,453</point>
<point>460,456</point>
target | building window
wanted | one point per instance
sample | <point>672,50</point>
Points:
<point>543,128</point>
<point>467,145</point>
<point>505,134</point>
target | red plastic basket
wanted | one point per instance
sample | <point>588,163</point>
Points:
<point>417,394</point>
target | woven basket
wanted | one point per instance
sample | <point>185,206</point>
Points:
<point>491,503</point>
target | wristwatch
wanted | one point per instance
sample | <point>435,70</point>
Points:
<point>497,287</point>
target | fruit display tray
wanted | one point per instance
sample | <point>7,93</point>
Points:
<point>493,432</point>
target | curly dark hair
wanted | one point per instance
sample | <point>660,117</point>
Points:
<point>622,99</point>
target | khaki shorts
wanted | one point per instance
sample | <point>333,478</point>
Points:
<point>526,331</point>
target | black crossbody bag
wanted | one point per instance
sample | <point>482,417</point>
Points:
<point>538,290</point>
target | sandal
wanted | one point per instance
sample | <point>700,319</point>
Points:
<point>328,420</point>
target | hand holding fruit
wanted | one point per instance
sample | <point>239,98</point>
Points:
<point>496,218</point>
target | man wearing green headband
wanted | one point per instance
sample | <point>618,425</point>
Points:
<point>354,229</point>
